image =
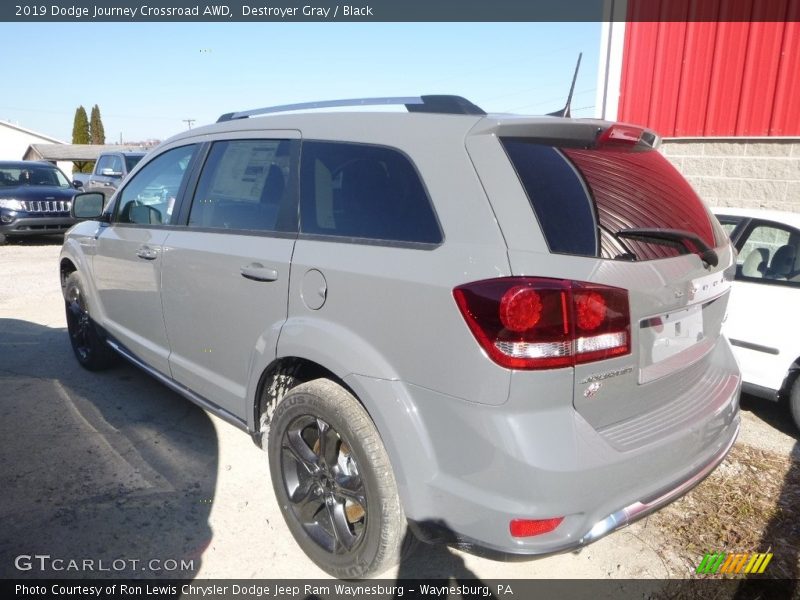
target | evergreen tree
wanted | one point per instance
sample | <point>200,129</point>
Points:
<point>80,127</point>
<point>98,133</point>
<point>80,135</point>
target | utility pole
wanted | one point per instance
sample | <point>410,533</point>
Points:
<point>189,122</point>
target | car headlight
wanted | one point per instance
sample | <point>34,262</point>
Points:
<point>11,204</point>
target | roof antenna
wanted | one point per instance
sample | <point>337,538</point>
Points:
<point>564,112</point>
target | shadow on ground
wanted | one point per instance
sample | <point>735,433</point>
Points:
<point>775,414</point>
<point>110,468</point>
<point>55,239</point>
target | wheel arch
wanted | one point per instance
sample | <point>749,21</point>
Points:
<point>280,376</point>
<point>391,410</point>
<point>65,268</point>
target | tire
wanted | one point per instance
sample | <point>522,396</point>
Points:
<point>336,491</point>
<point>88,345</point>
<point>794,401</point>
<point>3,239</point>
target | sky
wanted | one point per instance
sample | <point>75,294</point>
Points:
<point>148,78</point>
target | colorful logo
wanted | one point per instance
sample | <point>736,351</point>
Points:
<point>719,562</point>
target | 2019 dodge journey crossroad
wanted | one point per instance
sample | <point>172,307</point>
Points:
<point>493,330</point>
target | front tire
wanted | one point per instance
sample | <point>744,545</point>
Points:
<point>89,347</point>
<point>334,483</point>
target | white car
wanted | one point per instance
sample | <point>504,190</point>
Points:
<point>763,323</point>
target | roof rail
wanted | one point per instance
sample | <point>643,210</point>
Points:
<point>455,105</point>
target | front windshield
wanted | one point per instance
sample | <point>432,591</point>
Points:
<point>33,175</point>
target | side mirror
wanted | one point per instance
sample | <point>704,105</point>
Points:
<point>110,173</point>
<point>88,205</point>
<point>77,184</point>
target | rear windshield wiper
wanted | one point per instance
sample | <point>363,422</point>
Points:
<point>676,238</point>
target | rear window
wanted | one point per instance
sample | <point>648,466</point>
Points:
<point>583,196</point>
<point>132,161</point>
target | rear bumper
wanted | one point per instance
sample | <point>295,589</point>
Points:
<point>435,531</point>
<point>472,468</point>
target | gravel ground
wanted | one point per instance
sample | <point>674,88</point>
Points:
<point>113,466</point>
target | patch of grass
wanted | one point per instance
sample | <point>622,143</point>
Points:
<point>751,503</point>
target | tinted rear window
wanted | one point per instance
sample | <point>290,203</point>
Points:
<point>558,196</point>
<point>620,188</point>
<point>362,191</point>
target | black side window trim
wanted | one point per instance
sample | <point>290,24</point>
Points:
<point>341,239</point>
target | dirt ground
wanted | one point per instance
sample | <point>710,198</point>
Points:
<point>113,466</point>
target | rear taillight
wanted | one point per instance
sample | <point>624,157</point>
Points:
<point>538,323</point>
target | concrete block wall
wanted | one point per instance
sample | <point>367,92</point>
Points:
<point>740,172</point>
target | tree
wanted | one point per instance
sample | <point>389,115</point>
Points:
<point>80,127</point>
<point>98,133</point>
<point>80,135</point>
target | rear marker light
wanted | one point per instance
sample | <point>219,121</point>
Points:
<point>540,323</point>
<point>532,527</point>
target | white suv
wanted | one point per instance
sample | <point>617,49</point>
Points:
<point>762,322</point>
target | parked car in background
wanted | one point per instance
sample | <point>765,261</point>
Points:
<point>109,170</point>
<point>763,322</point>
<point>35,199</point>
<point>492,330</point>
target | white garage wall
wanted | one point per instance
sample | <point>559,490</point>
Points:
<point>14,141</point>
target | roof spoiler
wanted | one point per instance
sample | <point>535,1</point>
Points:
<point>564,112</point>
<point>442,104</point>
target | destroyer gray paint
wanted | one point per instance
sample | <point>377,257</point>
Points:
<point>472,445</point>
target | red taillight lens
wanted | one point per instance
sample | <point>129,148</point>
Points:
<point>531,527</point>
<point>620,135</point>
<point>520,308</point>
<point>590,310</point>
<point>538,323</point>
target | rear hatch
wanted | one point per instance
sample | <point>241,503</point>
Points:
<point>612,211</point>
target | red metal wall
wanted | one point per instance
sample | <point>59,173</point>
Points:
<point>712,67</point>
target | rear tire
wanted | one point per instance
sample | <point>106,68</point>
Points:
<point>794,401</point>
<point>88,345</point>
<point>334,483</point>
<point>3,239</point>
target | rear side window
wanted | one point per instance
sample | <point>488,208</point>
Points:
<point>244,187</point>
<point>363,191</point>
<point>622,189</point>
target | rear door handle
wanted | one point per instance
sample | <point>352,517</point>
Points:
<point>258,272</point>
<point>147,253</point>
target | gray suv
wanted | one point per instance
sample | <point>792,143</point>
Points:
<point>495,331</point>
